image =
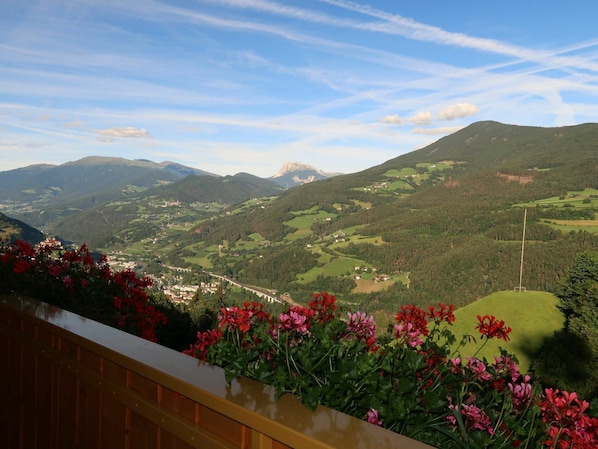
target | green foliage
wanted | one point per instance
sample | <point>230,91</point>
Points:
<point>579,300</point>
<point>564,361</point>
<point>203,310</point>
<point>339,286</point>
<point>412,382</point>
<point>279,267</point>
<point>74,280</point>
<point>180,329</point>
<point>579,296</point>
<point>570,358</point>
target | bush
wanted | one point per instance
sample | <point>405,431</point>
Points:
<point>408,380</point>
<point>76,281</point>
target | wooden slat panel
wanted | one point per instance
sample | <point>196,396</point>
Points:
<point>179,405</point>
<point>114,426</point>
<point>113,372</point>
<point>5,372</point>
<point>45,390</point>
<point>277,445</point>
<point>222,426</point>
<point>147,388</point>
<point>260,441</point>
<point>144,434</point>
<point>169,441</point>
<point>67,407</point>
<point>11,378</point>
<point>30,385</point>
<point>89,430</point>
<point>68,349</point>
<point>30,329</point>
<point>90,402</point>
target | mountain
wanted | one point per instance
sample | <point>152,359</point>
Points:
<point>297,173</point>
<point>143,214</point>
<point>43,194</point>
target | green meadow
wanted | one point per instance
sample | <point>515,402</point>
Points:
<point>574,225</point>
<point>583,198</point>
<point>532,315</point>
<point>306,218</point>
<point>332,266</point>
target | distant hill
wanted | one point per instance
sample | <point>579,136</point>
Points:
<point>228,190</point>
<point>44,194</point>
<point>192,197</point>
<point>12,229</point>
<point>82,180</point>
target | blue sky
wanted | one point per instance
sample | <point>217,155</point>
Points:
<point>232,86</point>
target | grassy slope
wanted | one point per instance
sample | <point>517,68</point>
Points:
<point>532,315</point>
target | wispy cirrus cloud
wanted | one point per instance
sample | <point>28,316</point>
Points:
<point>233,82</point>
<point>397,24</point>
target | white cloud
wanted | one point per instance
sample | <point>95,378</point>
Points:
<point>125,132</point>
<point>391,120</point>
<point>458,110</point>
<point>422,118</point>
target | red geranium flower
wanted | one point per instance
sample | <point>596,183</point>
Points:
<point>20,266</point>
<point>489,326</point>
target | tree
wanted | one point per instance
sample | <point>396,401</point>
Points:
<point>579,300</point>
<point>203,312</point>
<point>569,360</point>
<point>180,330</point>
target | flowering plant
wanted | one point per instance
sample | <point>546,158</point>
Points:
<point>409,381</point>
<point>74,280</point>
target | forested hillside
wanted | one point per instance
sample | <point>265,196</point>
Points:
<point>11,229</point>
<point>448,217</point>
<point>141,215</point>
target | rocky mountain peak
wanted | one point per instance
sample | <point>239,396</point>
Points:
<point>296,173</point>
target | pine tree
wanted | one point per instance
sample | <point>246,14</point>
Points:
<point>569,360</point>
<point>579,300</point>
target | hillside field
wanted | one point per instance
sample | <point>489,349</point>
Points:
<point>533,316</point>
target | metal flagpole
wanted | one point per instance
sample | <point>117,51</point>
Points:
<point>522,249</point>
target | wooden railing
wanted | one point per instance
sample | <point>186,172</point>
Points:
<point>70,382</point>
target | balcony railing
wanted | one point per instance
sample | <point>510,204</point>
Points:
<point>70,382</point>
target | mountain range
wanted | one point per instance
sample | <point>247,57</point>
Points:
<point>43,194</point>
<point>443,223</point>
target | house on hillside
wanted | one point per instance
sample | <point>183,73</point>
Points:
<point>381,278</point>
